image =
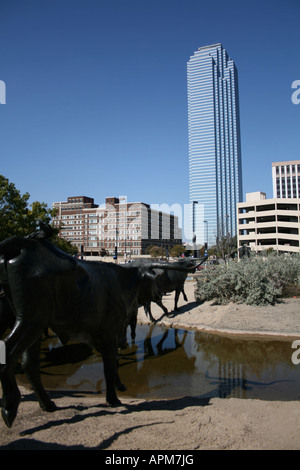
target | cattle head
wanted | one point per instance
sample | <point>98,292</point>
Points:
<point>147,290</point>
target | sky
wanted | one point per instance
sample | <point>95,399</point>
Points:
<point>96,93</point>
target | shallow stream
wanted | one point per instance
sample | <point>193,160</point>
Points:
<point>168,363</point>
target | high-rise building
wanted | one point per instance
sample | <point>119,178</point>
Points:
<point>116,226</point>
<point>286,179</point>
<point>215,174</point>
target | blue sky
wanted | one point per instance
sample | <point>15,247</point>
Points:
<point>96,94</point>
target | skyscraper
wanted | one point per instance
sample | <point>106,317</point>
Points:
<point>215,174</point>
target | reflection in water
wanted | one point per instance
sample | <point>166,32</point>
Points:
<point>148,347</point>
<point>168,363</point>
<point>248,368</point>
<point>231,380</point>
<point>160,362</point>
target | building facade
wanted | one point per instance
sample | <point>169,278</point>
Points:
<point>117,226</point>
<point>269,223</point>
<point>215,173</point>
<point>286,179</point>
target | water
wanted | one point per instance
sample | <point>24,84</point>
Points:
<point>170,363</point>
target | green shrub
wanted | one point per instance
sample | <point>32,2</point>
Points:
<point>255,281</point>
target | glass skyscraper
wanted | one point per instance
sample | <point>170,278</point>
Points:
<point>215,173</point>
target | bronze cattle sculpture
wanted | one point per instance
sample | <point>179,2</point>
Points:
<point>166,281</point>
<point>89,302</point>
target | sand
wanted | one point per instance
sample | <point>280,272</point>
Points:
<point>83,421</point>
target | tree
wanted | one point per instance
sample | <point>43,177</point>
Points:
<point>64,244</point>
<point>177,250</point>
<point>224,247</point>
<point>13,209</point>
<point>17,218</point>
<point>39,210</point>
<point>155,251</point>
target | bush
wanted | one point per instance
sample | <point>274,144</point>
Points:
<point>254,281</point>
<point>176,251</point>
<point>155,251</point>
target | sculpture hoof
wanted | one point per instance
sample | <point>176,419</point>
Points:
<point>114,402</point>
<point>50,407</point>
<point>8,417</point>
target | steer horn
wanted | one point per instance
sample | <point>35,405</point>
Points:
<point>186,265</point>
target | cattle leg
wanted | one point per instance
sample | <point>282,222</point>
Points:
<point>177,293</point>
<point>16,343</point>
<point>184,295</point>
<point>161,305</point>
<point>148,312</point>
<point>119,385</point>
<point>110,363</point>
<point>31,366</point>
<point>132,323</point>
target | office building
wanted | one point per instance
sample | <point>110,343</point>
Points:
<point>286,179</point>
<point>269,223</point>
<point>215,174</point>
<point>128,228</point>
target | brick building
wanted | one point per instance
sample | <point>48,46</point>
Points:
<point>118,225</point>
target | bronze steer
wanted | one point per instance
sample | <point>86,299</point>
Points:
<point>90,302</point>
<point>166,281</point>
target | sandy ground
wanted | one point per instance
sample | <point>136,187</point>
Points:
<point>84,421</point>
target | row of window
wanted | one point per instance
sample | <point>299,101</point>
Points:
<point>107,214</point>
<point>287,167</point>
<point>71,236</point>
